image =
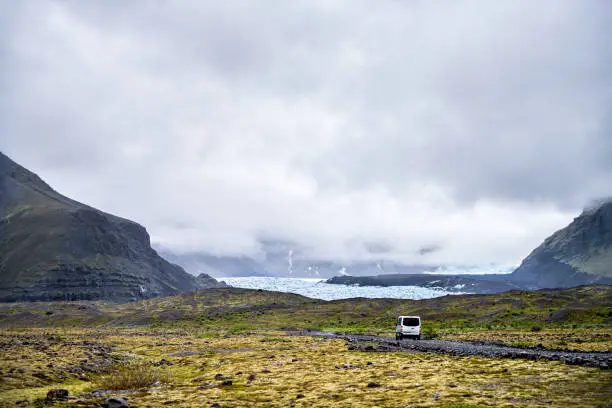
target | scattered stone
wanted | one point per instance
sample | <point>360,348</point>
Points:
<point>250,378</point>
<point>116,403</point>
<point>57,394</point>
<point>435,396</point>
<point>602,360</point>
<point>206,385</point>
<point>348,366</point>
<point>266,371</point>
<point>98,392</point>
<point>162,362</point>
<point>369,363</point>
<point>215,405</point>
<point>300,396</point>
<point>227,382</point>
<point>40,374</point>
<point>373,385</point>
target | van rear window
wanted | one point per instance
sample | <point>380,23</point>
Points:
<point>410,321</point>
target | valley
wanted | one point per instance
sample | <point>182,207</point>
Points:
<point>238,347</point>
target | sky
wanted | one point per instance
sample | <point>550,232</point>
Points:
<point>418,131</point>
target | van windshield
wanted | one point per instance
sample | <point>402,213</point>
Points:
<point>410,321</point>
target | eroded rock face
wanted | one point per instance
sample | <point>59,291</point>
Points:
<point>54,248</point>
<point>578,254</point>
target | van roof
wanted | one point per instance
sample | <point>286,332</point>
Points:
<point>418,317</point>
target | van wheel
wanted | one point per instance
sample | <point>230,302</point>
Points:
<point>418,337</point>
<point>398,337</point>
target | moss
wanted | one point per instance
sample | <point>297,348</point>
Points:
<point>263,368</point>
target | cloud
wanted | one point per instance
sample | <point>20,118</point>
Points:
<point>476,128</point>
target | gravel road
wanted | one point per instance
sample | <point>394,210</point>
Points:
<point>602,360</point>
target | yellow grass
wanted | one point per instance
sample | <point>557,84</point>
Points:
<point>274,370</point>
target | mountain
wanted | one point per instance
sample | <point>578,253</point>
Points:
<point>578,254</point>
<point>54,248</point>
<point>452,283</point>
<point>282,259</point>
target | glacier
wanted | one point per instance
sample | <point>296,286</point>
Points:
<point>318,289</point>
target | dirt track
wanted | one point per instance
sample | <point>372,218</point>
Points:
<point>602,360</point>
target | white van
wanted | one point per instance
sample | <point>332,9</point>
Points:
<point>408,326</point>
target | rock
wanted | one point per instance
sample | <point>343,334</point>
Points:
<point>90,255</point>
<point>227,382</point>
<point>98,392</point>
<point>369,363</point>
<point>250,378</point>
<point>349,366</point>
<point>162,362</point>
<point>576,255</point>
<point>57,394</point>
<point>373,385</point>
<point>300,396</point>
<point>116,402</point>
<point>435,396</point>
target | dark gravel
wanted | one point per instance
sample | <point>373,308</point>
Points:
<point>602,360</point>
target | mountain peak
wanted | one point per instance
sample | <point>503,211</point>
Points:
<point>578,254</point>
<point>55,248</point>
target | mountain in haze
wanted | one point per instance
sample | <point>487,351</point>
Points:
<point>54,248</point>
<point>281,259</point>
<point>578,254</point>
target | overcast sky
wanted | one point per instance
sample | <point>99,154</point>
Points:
<point>475,127</point>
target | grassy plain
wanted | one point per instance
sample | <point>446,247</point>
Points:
<point>229,347</point>
<point>201,368</point>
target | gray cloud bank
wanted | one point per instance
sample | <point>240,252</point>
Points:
<point>474,127</point>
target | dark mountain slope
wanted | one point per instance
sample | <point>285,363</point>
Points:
<point>54,248</point>
<point>578,254</point>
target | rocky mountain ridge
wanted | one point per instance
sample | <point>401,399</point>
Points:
<point>286,262</point>
<point>55,248</point>
<point>578,254</point>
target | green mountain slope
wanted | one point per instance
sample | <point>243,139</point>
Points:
<point>54,248</point>
<point>578,254</point>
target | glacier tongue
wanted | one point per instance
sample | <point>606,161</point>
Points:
<point>318,289</point>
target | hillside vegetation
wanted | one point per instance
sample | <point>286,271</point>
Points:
<point>244,309</point>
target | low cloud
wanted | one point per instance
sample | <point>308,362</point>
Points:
<point>475,128</point>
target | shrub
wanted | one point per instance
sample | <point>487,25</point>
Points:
<point>133,376</point>
<point>536,328</point>
<point>238,328</point>
<point>429,333</point>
